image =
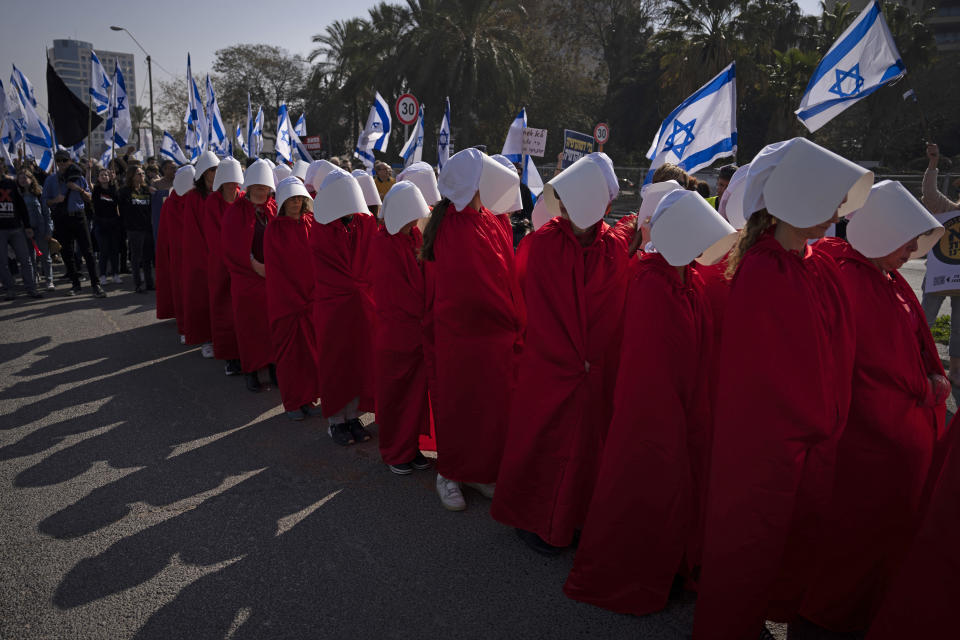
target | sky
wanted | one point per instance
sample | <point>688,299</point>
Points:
<point>168,29</point>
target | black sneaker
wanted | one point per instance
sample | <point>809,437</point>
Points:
<point>537,543</point>
<point>420,462</point>
<point>358,431</point>
<point>253,382</point>
<point>402,469</point>
<point>98,292</point>
<point>340,434</point>
<point>72,291</point>
<point>232,368</point>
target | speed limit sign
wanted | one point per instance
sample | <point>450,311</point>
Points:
<point>407,109</point>
<point>601,133</point>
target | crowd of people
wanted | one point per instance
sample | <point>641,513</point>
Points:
<point>708,395</point>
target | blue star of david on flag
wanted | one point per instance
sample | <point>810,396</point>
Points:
<point>679,148</point>
<point>854,77</point>
<point>443,139</point>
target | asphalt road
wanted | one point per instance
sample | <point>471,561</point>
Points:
<point>146,495</point>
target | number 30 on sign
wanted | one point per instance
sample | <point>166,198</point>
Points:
<point>601,133</point>
<point>407,109</point>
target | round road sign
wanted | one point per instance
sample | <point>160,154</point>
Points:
<point>601,133</point>
<point>407,109</point>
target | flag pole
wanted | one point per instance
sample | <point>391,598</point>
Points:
<point>89,134</point>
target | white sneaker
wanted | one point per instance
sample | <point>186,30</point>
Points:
<point>206,350</point>
<point>486,490</point>
<point>51,286</point>
<point>450,495</point>
<point>103,280</point>
<point>116,279</point>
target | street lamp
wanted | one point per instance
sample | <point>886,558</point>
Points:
<point>153,141</point>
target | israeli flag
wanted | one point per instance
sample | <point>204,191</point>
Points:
<point>122,126</point>
<point>170,149</point>
<point>283,146</point>
<point>37,135</point>
<point>301,128</point>
<point>444,147</point>
<point>241,138</point>
<point>513,151</point>
<point>195,118</point>
<point>376,134</point>
<point>861,61</point>
<point>216,135</point>
<point>99,85</point>
<point>700,130</point>
<point>256,134</point>
<point>23,86</point>
<point>413,149</point>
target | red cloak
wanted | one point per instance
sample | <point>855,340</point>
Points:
<point>344,312</point>
<point>563,403</point>
<point>290,285</point>
<point>478,323</point>
<point>429,443</point>
<point>644,524</point>
<point>922,599</point>
<point>402,403</point>
<point>248,291</point>
<point>886,450</point>
<point>193,270</point>
<point>168,260</point>
<point>218,281</point>
<point>782,399</point>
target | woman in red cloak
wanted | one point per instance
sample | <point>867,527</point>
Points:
<point>169,234</point>
<point>241,241</point>
<point>922,599</point>
<point>226,189</point>
<point>644,527</point>
<point>343,310</point>
<point>290,287</point>
<point>478,320</point>
<point>782,398</point>
<point>575,284</point>
<point>402,401</point>
<point>193,271</point>
<point>896,413</point>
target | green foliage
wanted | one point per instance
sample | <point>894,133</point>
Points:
<point>941,330</point>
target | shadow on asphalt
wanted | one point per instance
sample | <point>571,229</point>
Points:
<point>283,533</point>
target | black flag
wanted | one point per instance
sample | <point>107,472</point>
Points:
<point>70,115</point>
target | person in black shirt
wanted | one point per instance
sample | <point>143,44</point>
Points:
<point>15,231</point>
<point>135,212</point>
<point>106,225</point>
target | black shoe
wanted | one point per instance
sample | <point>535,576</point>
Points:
<point>232,368</point>
<point>537,543</point>
<point>420,462</point>
<point>150,287</point>
<point>98,292</point>
<point>72,291</point>
<point>9,295</point>
<point>402,469</point>
<point>340,434</point>
<point>140,289</point>
<point>358,431</point>
<point>34,294</point>
<point>253,382</point>
<point>273,375</point>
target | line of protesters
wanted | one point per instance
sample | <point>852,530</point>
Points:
<point>696,398</point>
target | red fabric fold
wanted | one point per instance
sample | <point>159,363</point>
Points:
<point>886,450</point>
<point>168,260</point>
<point>922,599</point>
<point>644,524</point>
<point>248,290</point>
<point>478,323</point>
<point>782,400</point>
<point>290,282</point>
<point>218,281</point>
<point>574,297</point>
<point>402,401</point>
<point>344,313</point>
<point>193,270</point>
